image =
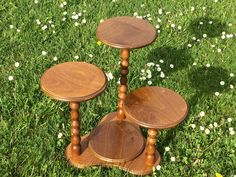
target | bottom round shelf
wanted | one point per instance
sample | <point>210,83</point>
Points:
<point>116,141</point>
<point>136,166</point>
<point>87,158</point>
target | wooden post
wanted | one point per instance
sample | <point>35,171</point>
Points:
<point>75,128</point>
<point>123,82</point>
<point>151,149</point>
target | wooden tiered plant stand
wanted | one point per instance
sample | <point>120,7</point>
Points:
<point>117,140</point>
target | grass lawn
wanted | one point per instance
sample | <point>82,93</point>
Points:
<point>195,52</point>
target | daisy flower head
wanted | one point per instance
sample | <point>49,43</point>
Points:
<point>167,149</point>
<point>10,78</point>
<point>44,53</point>
<point>158,167</point>
<point>17,64</point>
<point>202,114</point>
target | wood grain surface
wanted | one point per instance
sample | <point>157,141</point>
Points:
<point>87,158</point>
<point>73,81</point>
<point>126,32</point>
<point>116,141</point>
<point>155,107</point>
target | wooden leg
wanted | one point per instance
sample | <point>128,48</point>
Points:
<point>75,128</point>
<point>123,82</point>
<point>150,148</point>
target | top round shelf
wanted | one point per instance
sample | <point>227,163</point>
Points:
<point>126,32</point>
<point>73,81</point>
<point>155,107</point>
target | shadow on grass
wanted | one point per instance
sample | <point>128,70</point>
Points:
<point>180,58</point>
<point>165,141</point>
<point>206,25</point>
<point>206,81</point>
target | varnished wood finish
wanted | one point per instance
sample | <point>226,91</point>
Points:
<point>73,81</point>
<point>155,107</point>
<point>87,158</point>
<point>126,32</point>
<point>75,128</point>
<point>116,141</point>
<point>123,82</point>
<point>151,148</point>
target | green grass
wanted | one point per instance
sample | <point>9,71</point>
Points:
<point>30,121</point>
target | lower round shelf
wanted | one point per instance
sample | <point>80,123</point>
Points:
<point>87,158</point>
<point>116,141</point>
<point>136,166</point>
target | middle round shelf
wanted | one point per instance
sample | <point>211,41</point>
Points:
<point>116,141</point>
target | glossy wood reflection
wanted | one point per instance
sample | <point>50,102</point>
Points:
<point>151,147</point>
<point>73,81</point>
<point>116,141</point>
<point>75,128</point>
<point>126,32</point>
<point>123,83</point>
<point>155,107</point>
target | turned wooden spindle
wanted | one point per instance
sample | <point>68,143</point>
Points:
<point>151,148</point>
<point>123,82</point>
<point>75,127</point>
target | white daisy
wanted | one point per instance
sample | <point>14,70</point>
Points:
<point>59,135</point>
<point>109,76</point>
<point>202,128</point>
<point>202,114</point>
<point>44,53</point>
<point>193,126</point>
<point>17,64</point>
<point>229,119</point>
<point>204,35</point>
<point>189,45</point>
<point>158,167</point>
<point>10,78</point>
<point>222,83</point>
<point>207,131</point>
<point>76,24</point>
<point>167,149</point>
<point>84,20</point>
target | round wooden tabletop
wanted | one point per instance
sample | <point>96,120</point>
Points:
<point>73,81</point>
<point>126,32</point>
<point>116,141</point>
<point>155,107</point>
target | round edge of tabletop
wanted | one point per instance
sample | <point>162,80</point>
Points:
<point>79,99</point>
<point>145,125</point>
<point>121,47</point>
